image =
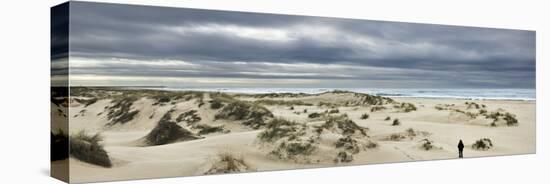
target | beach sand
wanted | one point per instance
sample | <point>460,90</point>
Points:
<point>132,159</point>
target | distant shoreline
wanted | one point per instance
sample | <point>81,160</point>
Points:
<point>390,93</point>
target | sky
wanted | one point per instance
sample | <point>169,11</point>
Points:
<point>121,45</point>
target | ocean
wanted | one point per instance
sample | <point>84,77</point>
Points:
<point>488,94</point>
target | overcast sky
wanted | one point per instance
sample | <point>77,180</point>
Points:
<point>139,45</point>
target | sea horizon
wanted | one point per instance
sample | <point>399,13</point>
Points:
<point>526,94</point>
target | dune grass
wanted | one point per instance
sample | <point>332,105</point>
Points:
<point>87,148</point>
<point>288,139</point>
<point>482,144</point>
<point>344,157</point>
<point>293,149</point>
<point>120,112</point>
<point>377,108</point>
<point>252,115</point>
<point>427,144</point>
<point>396,122</point>
<point>396,137</point>
<point>216,104</point>
<point>364,116</point>
<point>168,131</point>
<point>344,125</point>
<point>190,117</point>
<point>280,128</point>
<point>314,115</point>
<point>348,144</point>
<point>207,129</point>
<point>406,107</point>
<point>334,111</point>
<point>227,162</point>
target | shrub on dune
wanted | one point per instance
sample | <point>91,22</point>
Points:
<point>371,144</point>
<point>293,149</point>
<point>396,122</point>
<point>279,128</point>
<point>348,144</point>
<point>288,139</point>
<point>334,111</point>
<point>407,107</point>
<point>365,116</point>
<point>344,157</point>
<point>227,162</point>
<point>253,115</point>
<point>471,105</point>
<point>120,111</point>
<point>190,117</point>
<point>510,119</point>
<point>387,118</point>
<point>345,126</point>
<point>167,131</point>
<point>314,115</point>
<point>408,133</point>
<point>377,108</point>
<point>216,104</point>
<point>87,148</point>
<point>396,137</point>
<point>207,129</point>
<point>483,144</point>
<point>222,97</point>
<point>366,99</point>
<point>161,99</point>
<point>427,144</point>
<point>411,132</point>
<point>482,111</point>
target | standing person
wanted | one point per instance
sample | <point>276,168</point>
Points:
<point>460,148</point>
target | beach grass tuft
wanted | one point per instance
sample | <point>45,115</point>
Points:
<point>87,148</point>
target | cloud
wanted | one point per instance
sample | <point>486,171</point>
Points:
<point>140,41</point>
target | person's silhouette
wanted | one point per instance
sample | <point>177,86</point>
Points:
<point>460,148</point>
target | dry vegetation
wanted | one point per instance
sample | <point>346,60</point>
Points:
<point>227,162</point>
<point>190,117</point>
<point>482,144</point>
<point>87,148</point>
<point>405,107</point>
<point>364,116</point>
<point>207,129</point>
<point>396,122</point>
<point>427,144</point>
<point>168,131</point>
<point>120,112</point>
<point>252,115</point>
<point>344,126</point>
<point>474,110</point>
<point>410,134</point>
<point>288,139</point>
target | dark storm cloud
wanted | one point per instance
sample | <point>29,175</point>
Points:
<point>222,44</point>
<point>59,40</point>
<point>59,31</point>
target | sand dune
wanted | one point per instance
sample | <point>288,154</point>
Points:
<point>443,128</point>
